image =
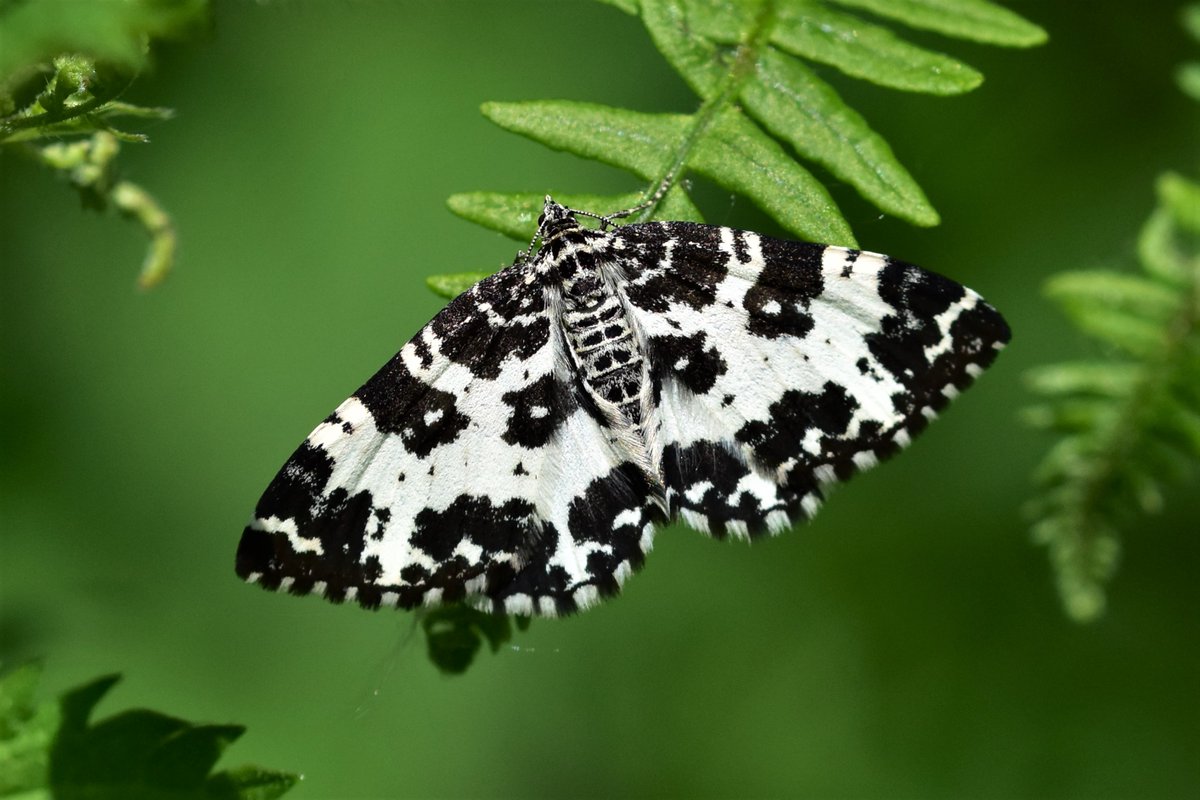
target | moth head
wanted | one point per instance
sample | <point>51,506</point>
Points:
<point>553,216</point>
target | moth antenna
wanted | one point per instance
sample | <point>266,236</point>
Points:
<point>659,193</point>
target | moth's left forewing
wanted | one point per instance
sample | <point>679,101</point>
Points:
<point>464,470</point>
<point>785,366</point>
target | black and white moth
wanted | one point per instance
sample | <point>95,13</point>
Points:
<point>518,453</point>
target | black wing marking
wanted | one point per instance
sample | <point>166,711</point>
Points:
<point>782,367</point>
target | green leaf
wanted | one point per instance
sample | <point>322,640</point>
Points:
<point>1130,426</point>
<point>1182,426</point>
<point>1188,78</point>
<point>730,52</point>
<point>734,154</point>
<point>1191,20</point>
<point>1159,250</point>
<point>451,285</point>
<point>628,6</point>
<point>675,26</point>
<point>26,729</point>
<point>866,51</point>
<point>455,634</point>
<point>1082,293</point>
<point>1138,337</point>
<point>1101,379</point>
<point>250,783</point>
<point>1182,199</point>
<point>975,20</point>
<point>741,158</point>
<point>51,749</point>
<point>634,141</point>
<point>112,31</point>
<point>1073,415</point>
<point>798,107</point>
<point>515,215</point>
<point>145,754</point>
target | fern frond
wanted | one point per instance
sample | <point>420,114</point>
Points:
<point>63,67</point>
<point>1129,425</point>
<point>762,107</point>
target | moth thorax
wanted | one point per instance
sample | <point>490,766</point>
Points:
<point>599,334</point>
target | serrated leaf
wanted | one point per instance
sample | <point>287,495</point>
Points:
<point>869,52</point>
<point>634,141</point>
<point>250,783</point>
<point>144,754</point>
<point>733,153</point>
<point>743,159</point>
<point>792,103</point>
<point>801,109</point>
<point>725,50</point>
<point>974,20</point>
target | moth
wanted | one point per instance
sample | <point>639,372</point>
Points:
<point>518,453</point>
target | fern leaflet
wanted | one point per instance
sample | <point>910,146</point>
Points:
<point>761,107</point>
<point>1129,425</point>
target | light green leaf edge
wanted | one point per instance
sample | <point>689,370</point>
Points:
<point>869,52</point>
<point>974,20</point>
<point>630,7</point>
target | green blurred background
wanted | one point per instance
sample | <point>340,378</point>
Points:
<point>908,643</point>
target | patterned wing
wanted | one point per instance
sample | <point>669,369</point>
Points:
<point>782,367</point>
<point>465,469</point>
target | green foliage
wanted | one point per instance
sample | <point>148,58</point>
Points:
<point>114,32</point>
<point>745,60</point>
<point>760,107</point>
<point>1129,424</point>
<point>26,732</point>
<point>1189,74</point>
<point>454,635</point>
<point>50,749</point>
<point>63,67</point>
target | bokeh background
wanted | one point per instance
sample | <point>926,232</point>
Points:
<point>907,643</point>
